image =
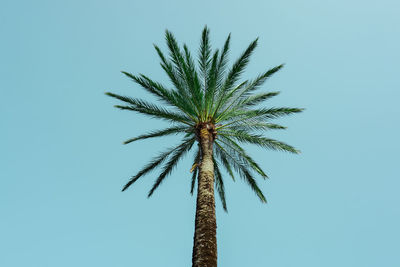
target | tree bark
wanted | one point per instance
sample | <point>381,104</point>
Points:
<point>205,239</point>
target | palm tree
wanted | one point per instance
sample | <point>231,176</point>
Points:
<point>210,107</point>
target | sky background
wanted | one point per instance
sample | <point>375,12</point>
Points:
<point>62,162</point>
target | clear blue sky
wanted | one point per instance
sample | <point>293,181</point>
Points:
<point>62,162</point>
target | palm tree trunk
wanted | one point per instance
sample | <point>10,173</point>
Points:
<point>205,239</point>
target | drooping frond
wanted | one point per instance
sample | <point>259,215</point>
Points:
<point>224,161</point>
<point>253,185</point>
<point>193,181</point>
<point>243,171</point>
<point>195,168</point>
<point>159,133</point>
<point>219,185</point>
<point>175,157</point>
<point>149,167</point>
<point>233,148</point>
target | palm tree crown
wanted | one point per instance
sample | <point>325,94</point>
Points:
<point>208,96</point>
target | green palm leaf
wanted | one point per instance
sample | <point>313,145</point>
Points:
<point>253,185</point>
<point>243,172</point>
<point>146,108</point>
<point>192,104</point>
<point>234,74</point>
<point>224,161</point>
<point>255,126</point>
<point>223,60</point>
<point>159,133</point>
<point>259,140</point>
<point>185,69</point>
<point>219,185</point>
<point>239,66</point>
<point>233,148</point>
<point>149,167</point>
<point>175,157</point>
<point>204,54</point>
<point>243,115</point>
<point>195,168</point>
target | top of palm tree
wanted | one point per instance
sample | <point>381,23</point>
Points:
<point>208,94</point>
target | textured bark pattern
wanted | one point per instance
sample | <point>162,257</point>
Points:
<point>205,239</point>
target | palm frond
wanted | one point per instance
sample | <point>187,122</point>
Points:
<point>235,72</point>
<point>223,60</point>
<point>219,185</point>
<point>243,172</point>
<point>149,167</point>
<point>146,108</point>
<point>195,87</point>
<point>204,54</point>
<point>156,114</point>
<point>255,126</point>
<point>240,153</point>
<point>175,99</point>
<point>185,68</point>
<point>196,162</point>
<point>239,66</point>
<point>175,157</point>
<point>176,55</point>
<point>251,86</point>
<point>193,181</point>
<point>163,94</point>
<point>178,80</point>
<point>242,115</point>
<point>159,133</point>
<point>211,85</point>
<point>222,99</point>
<point>245,137</point>
<point>253,185</point>
<point>255,99</point>
<point>254,85</point>
<point>171,72</point>
<point>237,104</point>
<point>224,161</point>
